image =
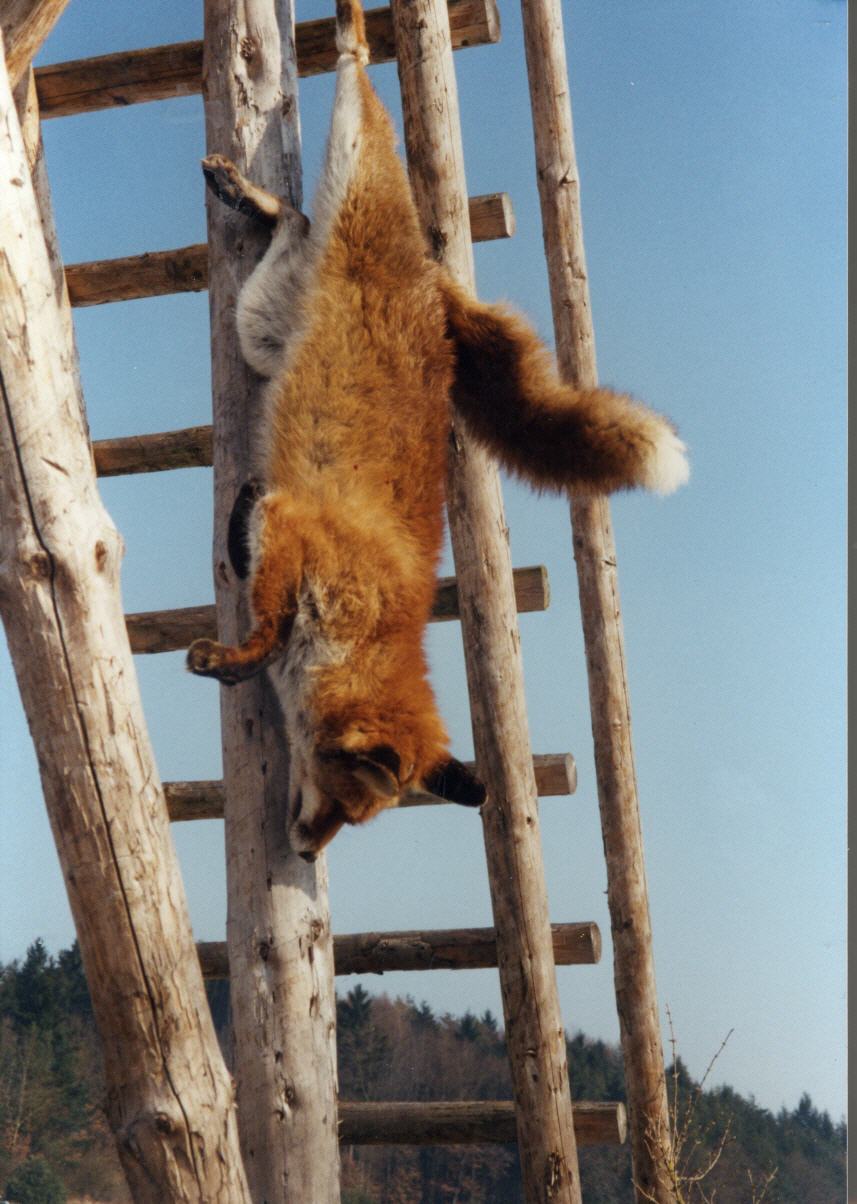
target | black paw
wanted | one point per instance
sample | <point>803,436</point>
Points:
<point>239,521</point>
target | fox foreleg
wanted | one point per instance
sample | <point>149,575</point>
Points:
<point>238,193</point>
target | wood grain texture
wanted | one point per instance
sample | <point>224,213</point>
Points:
<point>185,270</point>
<point>162,72</point>
<point>189,448</point>
<point>25,24</point>
<point>278,923</point>
<point>533,1021</point>
<point>169,1097</point>
<point>443,949</point>
<point>465,1122</point>
<point>556,774</point>
<point>595,556</point>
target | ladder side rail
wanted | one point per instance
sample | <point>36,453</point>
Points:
<point>169,1099</point>
<point>533,1020</point>
<point>595,557</point>
<point>278,923</point>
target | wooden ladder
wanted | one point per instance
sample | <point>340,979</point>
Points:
<point>280,952</point>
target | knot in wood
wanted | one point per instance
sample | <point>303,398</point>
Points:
<point>101,554</point>
<point>247,48</point>
<point>38,566</point>
<point>164,1123</point>
<point>556,1174</point>
<point>264,950</point>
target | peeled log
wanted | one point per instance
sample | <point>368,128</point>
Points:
<point>169,1097</point>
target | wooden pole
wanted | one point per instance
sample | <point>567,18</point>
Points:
<point>278,925</point>
<point>169,1097</point>
<point>595,554</point>
<point>25,25</point>
<point>465,1122</point>
<point>534,1029</point>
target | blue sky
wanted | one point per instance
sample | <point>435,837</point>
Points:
<point>711,142</point>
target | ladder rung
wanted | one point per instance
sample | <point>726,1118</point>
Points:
<point>163,72</point>
<point>556,773</point>
<point>185,269</point>
<point>170,630</point>
<point>444,949</point>
<point>454,1122</point>
<point>189,448</point>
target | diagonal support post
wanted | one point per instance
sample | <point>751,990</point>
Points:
<point>595,556</point>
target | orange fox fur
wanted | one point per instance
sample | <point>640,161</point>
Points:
<point>366,341</point>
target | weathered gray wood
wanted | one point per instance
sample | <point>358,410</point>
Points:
<point>278,924</point>
<point>442,949</point>
<point>534,1028</point>
<point>169,1097</point>
<point>163,72</point>
<point>465,1122</point>
<point>556,773</point>
<point>595,554</point>
<point>25,24</point>
<point>160,273</point>
<point>170,630</point>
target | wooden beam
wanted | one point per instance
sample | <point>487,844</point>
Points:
<point>163,72</point>
<point>169,1098</point>
<point>534,1028</point>
<point>595,557</point>
<point>556,774</point>
<point>465,1122</point>
<point>160,273</point>
<point>189,448</point>
<point>171,630</point>
<point>447,949</point>
<point>153,274</point>
<point>278,917</point>
<point>25,24</point>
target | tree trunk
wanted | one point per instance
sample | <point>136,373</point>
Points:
<point>169,1096</point>
<point>25,25</point>
<point>278,925</point>
<point>534,1029</point>
<point>595,554</point>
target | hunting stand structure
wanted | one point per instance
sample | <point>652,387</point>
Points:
<point>170,1099</point>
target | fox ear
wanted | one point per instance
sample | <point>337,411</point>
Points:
<point>377,767</point>
<point>453,781</point>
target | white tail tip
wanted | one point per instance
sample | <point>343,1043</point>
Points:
<point>667,467</point>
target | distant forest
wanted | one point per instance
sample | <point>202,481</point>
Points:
<point>55,1144</point>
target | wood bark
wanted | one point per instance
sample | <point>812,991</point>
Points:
<point>443,949</point>
<point>465,1122</point>
<point>169,630</point>
<point>169,1097</point>
<point>189,448</point>
<point>185,270</point>
<point>163,72</point>
<point>534,1029</point>
<point>556,774</point>
<point>595,555</point>
<point>278,923</point>
<point>25,24</point>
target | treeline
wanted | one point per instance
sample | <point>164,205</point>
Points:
<point>55,1144</point>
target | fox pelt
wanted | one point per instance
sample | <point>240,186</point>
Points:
<point>366,342</point>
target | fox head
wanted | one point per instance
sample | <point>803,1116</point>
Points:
<point>350,778</point>
<point>345,768</point>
